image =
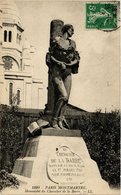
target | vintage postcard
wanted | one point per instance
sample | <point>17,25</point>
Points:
<point>59,97</point>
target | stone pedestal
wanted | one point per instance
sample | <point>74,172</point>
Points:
<point>58,162</point>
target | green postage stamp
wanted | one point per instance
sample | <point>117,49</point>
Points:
<point>101,15</point>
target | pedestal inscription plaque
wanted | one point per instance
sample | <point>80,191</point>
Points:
<point>65,167</point>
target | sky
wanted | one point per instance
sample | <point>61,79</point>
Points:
<point>96,86</point>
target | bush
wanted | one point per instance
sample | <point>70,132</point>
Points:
<point>10,137</point>
<point>101,132</point>
<point>7,180</point>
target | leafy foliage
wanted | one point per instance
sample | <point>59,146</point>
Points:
<point>10,137</point>
<point>101,132</point>
<point>7,180</point>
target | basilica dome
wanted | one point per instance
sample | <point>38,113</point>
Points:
<point>10,12</point>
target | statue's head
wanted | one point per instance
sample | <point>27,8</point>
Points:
<point>68,28</point>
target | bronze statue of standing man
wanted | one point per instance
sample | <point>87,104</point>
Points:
<point>64,60</point>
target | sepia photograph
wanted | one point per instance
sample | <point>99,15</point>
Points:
<point>59,97</point>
